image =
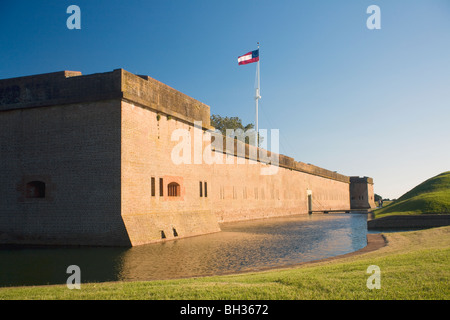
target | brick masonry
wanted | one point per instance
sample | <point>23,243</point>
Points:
<point>103,145</point>
<point>75,150</point>
<point>362,195</point>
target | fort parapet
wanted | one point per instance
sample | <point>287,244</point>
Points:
<point>86,160</point>
<point>69,87</point>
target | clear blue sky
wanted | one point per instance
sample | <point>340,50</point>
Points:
<point>346,98</point>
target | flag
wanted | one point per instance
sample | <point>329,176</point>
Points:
<point>250,57</point>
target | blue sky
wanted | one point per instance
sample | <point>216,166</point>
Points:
<point>346,98</point>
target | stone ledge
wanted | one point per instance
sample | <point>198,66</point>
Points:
<point>409,222</point>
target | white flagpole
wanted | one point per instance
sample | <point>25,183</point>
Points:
<point>257,97</point>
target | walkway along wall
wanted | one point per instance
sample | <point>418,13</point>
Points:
<point>106,148</point>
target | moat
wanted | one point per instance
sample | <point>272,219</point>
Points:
<point>241,246</point>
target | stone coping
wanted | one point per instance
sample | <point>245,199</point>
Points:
<point>418,221</point>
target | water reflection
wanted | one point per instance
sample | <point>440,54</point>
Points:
<point>242,246</point>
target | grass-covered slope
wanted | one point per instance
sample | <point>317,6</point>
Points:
<point>431,196</point>
<point>414,266</point>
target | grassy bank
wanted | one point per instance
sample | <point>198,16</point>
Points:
<point>431,196</point>
<point>414,265</point>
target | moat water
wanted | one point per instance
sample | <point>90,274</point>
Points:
<point>242,246</point>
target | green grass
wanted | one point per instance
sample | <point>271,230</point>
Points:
<point>387,202</point>
<point>431,196</point>
<point>414,265</point>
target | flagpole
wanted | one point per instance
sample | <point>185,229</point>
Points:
<point>257,97</point>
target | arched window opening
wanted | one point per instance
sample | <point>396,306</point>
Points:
<point>35,189</point>
<point>173,189</point>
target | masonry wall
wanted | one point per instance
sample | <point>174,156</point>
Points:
<point>362,193</point>
<point>75,150</point>
<point>371,195</point>
<point>242,193</point>
<point>151,148</point>
<point>105,144</point>
<point>146,153</point>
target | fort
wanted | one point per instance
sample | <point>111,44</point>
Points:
<point>86,160</point>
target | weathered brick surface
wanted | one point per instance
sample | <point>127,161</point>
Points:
<point>160,97</point>
<point>75,150</point>
<point>59,88</point>
<point>235,191</point>
<point>362,194</point>
<point>97,141</point>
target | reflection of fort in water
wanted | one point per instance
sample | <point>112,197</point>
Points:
<point>246,246</point>
<point>242,246</point>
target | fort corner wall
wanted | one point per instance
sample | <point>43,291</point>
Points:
<point>153,215</point>
<point>61,131</point>
<point>162,99</point>
<point>362,194</point>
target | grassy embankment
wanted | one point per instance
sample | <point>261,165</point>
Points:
<point>431,196</point>
<point>414,265</point>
